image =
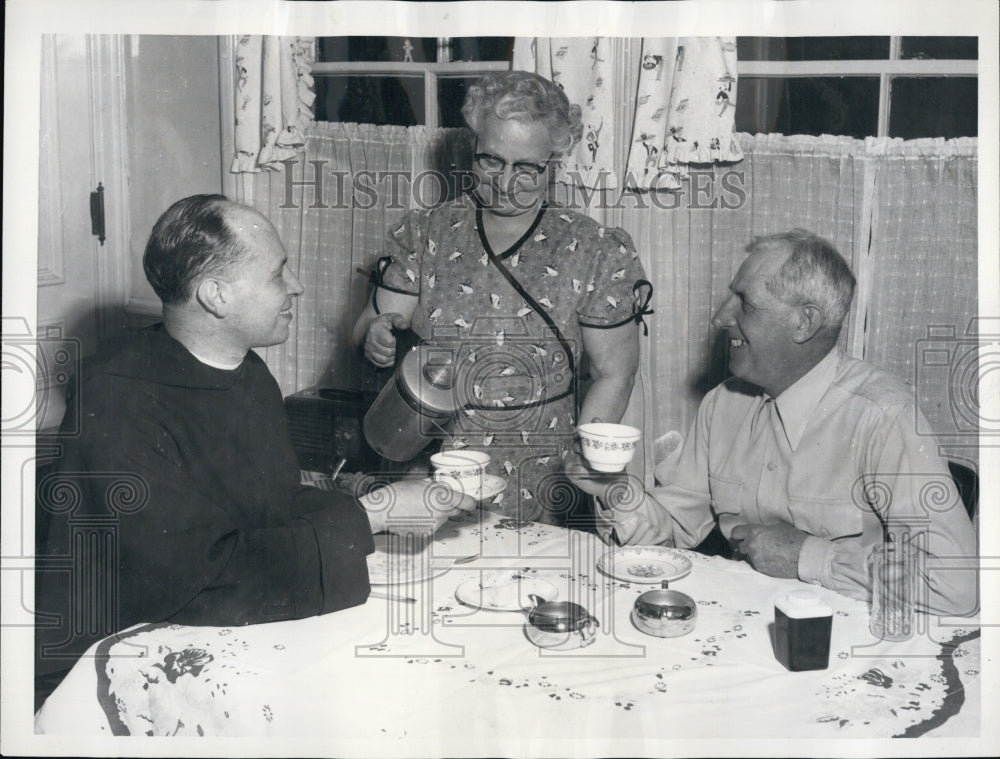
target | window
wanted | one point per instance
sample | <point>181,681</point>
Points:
<point>854,86</point>
<point>402,80</point>
<point>858,86</point>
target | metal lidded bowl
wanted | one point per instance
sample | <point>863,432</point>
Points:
<point>665,613</point>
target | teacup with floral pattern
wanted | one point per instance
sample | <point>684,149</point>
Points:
<point>608,447</point>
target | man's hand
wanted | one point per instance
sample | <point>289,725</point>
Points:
<point>380,343</point>
<point>643,524</point>
<point>590,480</point>
<point>405,505</point>
<point>622,506</point>
<point>772,549</point>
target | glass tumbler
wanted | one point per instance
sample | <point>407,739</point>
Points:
<point>892,613</point>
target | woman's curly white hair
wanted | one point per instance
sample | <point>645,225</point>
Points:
<point>527,96</point>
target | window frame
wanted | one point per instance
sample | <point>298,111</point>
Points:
<point>431,71</point>
<point>885,69</point>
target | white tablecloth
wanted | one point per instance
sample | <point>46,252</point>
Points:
<point>469,682</point>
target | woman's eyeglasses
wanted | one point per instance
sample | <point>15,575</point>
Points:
<point>524,170</point>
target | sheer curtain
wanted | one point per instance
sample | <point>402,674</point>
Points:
<point>924,269</point>
<point>331,207</point>
<point>902,213</point>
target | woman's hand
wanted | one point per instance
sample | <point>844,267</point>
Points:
<point>372,332</point>
<point>380,342</point>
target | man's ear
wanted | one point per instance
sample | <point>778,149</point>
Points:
<point>211,296</point>
<point>810,321</point>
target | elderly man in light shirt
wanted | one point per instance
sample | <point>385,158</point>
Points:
<point>805,457</point>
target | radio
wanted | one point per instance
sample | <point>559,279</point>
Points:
<point>325,425</point>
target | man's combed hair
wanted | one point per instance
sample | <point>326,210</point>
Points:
<point>526,96</point>
<point>191,240</point>
<point>814,272</point>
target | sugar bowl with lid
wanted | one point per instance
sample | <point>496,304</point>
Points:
<point>665,613</point>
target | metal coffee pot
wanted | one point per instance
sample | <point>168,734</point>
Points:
<point>665,613</point>
<point>559,625</point>
<point>415,406</point>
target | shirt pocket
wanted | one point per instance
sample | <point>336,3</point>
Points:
<point>826,517</point>
<point>727,495</point>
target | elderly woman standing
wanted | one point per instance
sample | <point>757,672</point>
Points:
<point>522,289</point>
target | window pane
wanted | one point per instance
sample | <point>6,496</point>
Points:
<point>482,48</point>
<point>941,48</point>
<point>368,49</point>
<point>933,107</point>
<point>451,95</point>
<point>811,48</point>
<point>370,99</point>
<point>808,105</point>
<point>416,49</point>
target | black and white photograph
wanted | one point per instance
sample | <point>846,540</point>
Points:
<point>500,379</point>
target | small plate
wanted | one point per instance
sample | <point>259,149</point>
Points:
<point>489,486</point>
<point>644,564</point>
<point>470,594</point>
<point>410,567</point>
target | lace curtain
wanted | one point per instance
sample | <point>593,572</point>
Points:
<point>902,212</point>
<point>331,207</point>
<point>922,269</point>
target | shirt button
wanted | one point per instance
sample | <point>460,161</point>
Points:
<point>772,466</point>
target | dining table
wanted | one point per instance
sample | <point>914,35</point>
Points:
<point>433,665</point>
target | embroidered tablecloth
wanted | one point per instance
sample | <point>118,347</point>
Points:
<point>442,673</point>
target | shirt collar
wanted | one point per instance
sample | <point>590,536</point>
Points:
<point>797,403</point>
<point>215,364</point>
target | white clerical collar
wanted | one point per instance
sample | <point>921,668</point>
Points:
<point>797,403</point>
<point>216,364</point>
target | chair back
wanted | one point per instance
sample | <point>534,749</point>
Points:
<point>967,483</point>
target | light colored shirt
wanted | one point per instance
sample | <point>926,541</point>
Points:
<point>838,456</point>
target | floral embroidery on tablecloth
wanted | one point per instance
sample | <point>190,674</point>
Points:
<point>183,688</point>
<point>893,695</point>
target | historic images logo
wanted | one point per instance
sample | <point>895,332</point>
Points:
<point>396,190</point>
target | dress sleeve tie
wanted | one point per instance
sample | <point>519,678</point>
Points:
<point>639,289</point>
<point>377,277</point>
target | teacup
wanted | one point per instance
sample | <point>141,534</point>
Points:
<point>608,447</point>
<point>461,470</point>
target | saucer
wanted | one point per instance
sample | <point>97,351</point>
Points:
<point>470,594</point>
<point>644,564</point>
<point>486,487</point>
<point>406,566</point>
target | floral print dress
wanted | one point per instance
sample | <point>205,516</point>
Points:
<point>516,337</point>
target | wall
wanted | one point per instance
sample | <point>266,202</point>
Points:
<point>172,96</point>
